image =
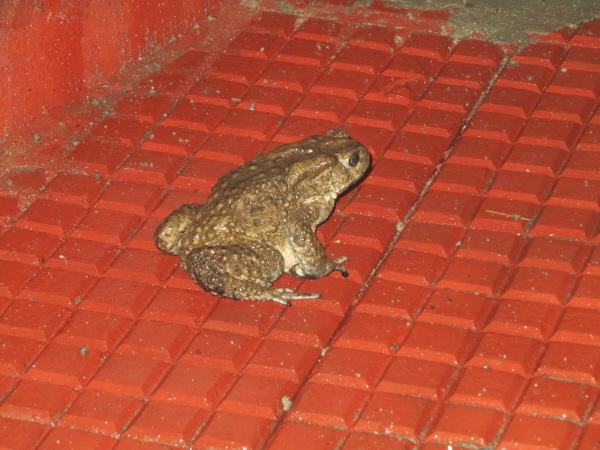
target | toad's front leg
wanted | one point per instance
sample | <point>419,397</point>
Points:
<point>310,255</point>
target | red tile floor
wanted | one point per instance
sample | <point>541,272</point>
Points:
<point>472,314</point>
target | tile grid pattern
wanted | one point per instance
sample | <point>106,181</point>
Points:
<point>478,328</point>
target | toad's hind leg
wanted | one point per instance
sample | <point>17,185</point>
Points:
<point>240,271</point>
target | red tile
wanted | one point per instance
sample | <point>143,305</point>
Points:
<point>450,97</point>
<point>93,330</point>
<point>379,114</point>
<point>60,438</point>
<point>571,362</point>
<point>17,354</point>
<point>350,368</point>
<point>591,138</point>
<point>556,254</point>
<point>227,430</point>
<point>488,388</point>
<point>129,375</point>
<point>491,125</point>
<point>573,108</point>
<point>144,265</point>
<point>392,299</point>
<point>399,174</point>
<point>259,397</point>
<point>587,292</point>
<point>328,405</point>
<point>499,214</point>
<point>282,24</point>
<point>102,158</point>
<point>26,178</point>
<point>27,246</point>
<point>65,365</point>
<point>229,148</point>
<point>523,318</point>
<point>582,164</point>
<point>557,398</point>
<point>189,62</point>
<point>250,123</point>
<point>538,432</point>
<point>553,133</point>
<point>396,414</point>
<point>156,168</point>
<point>38,402</point>
<point>406,266</point>
<point>377,38</point>
<point>434,121</point>
<point>593,265</point>
<point>383,202</point>
<point>13,276</point>
<point>430,238</point>
<point>157,340</point>
<point>31,319</point>
<point>366,231</point>
<point>51,216</point>
<point>473,51</point>
<point>305,326</point>
<point>270,100</point>
<point>296,128</point>
<point>405,91</point>
<point>587,35</point>
<point>255,45</point>
<point>416,67</point>
<point>237,68</point>
<point>244,317</point>
<point>196,116</point>
<point>533,78</point>
<point>75,188</point>
<point>375,139</point>
<point>295,77</point>
<point>447,208</point>
<point>178,306</point>
<point>576,192</point>
<point>108,226</point>
<point>373,333</point>
<point>342,83</point>
<point>337,294</point>
<point>127,130</point>
<point>9,207</point>
<point>590,436</point>
<point>358,441</point>
<point>536,159</point>
<point>202,174</point>
<point>457,309</point>
<point>172,84</point>
<point>521,186</point>
<point>565,222</point>
<point>90,257</point>
<point>540,285</point>
<point>579,326</point>
<point>318,30</point>
<point>168,423</point>
<point>122,297</point>
<point>473,151</point>
<point>513,354</point>
<point>468,425</point>
<point>508,100</point>
<point>437,343</point>
<point>21,434</point>
<point>472,76</point>
<point>360,59</point>
<point>145,108</point>
<point>541,53</point>
<point>504,248</point>
<point>174,140</point>
<point>299,436</point>
<point>576,82</point>
<point>307,52</point>
<point>219,349</point>
<point>283,360</point>
<point>194,386</point>
<point>58,286</point>
<point>431,45</point>
<point>467,179</point>
<point>417,147</point>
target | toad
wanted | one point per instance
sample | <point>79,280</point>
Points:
<point>260,220</point>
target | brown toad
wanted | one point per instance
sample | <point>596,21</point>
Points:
<point>261,218</point>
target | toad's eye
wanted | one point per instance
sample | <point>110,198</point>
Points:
<point>354,159</point>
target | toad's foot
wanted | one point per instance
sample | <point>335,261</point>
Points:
<point>323,270</point>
